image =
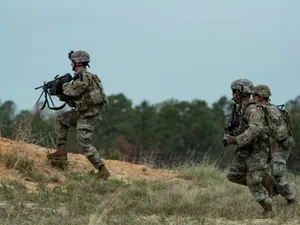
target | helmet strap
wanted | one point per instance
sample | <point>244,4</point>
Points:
<point>79,64</point>
<point>75,65</point>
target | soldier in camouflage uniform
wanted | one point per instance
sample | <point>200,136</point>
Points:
<point>284,141</point>
<point>252,151</point>
<point>86,96</point>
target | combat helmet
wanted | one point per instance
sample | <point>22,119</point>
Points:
<point>262,90</point>
<point>79,57</point>
<point>243,85</point>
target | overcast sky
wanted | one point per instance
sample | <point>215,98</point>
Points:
<point>153,50</point>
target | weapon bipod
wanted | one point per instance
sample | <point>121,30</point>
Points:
<point>46,95</point>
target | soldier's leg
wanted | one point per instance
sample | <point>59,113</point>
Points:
<point>259,192</point>
<point>284,189</point>
<point>63,122</point>
<point>257,167</point>
<point>279,169</point>
<point>237,171</point>
<point>85,128</point>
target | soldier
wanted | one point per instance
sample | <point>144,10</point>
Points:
<point>252,151</point>
<point>86,96</point>
<point>282,136</point>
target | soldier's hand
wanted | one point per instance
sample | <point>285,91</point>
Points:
<point>225,140</point>
<point>231,140</point>
<point>63,97</point>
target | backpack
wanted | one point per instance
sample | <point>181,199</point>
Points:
<point>278,120</point>
<point>286,118</point>
<point>97,94</point>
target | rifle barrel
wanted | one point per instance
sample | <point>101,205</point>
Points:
<point>39,87</point>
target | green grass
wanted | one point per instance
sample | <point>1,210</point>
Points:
<point>205,198</point>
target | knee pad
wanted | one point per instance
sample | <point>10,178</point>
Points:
<point>278,169</point>
<point>84,138</point>
<point>281,181</point>
<point>87,149</point>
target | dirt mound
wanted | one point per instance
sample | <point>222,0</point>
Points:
<point>76,163</point>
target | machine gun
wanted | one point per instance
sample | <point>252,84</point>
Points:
<point>54,87</point>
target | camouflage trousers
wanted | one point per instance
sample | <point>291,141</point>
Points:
<point>278,168</point>
<point>84,127</point>
<point>249,171</point>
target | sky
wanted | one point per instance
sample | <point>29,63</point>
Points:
<point>152,50</point>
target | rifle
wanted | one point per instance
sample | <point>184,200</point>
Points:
<point>234,121</point>
<point>232,126</point>
<point>54,87</point>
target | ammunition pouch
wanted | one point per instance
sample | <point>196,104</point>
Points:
<point>288,143</point>
<point>56,89</point>
<point>96,97</point>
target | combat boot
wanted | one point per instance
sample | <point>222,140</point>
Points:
<point>60,154</point>
<point>291,201</point>
<point>268,209</point>
<point>103,172</point>
<point>268,213</point>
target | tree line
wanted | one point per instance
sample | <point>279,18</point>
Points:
<point>166,133</point>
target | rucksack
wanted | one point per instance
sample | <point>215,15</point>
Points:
<point>279,121</point>
<point>97,94</point>
<point>287,118</point>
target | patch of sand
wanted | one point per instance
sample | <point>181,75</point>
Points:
<point>76,163</point>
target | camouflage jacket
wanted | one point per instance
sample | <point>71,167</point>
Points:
<point>252,134</point>
<point>86,94</point>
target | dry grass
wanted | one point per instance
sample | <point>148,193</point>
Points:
<point>208,198</point>
<point>203,196</point>
<point>17,161</point>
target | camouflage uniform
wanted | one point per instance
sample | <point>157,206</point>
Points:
<point>252,151</point>
<point>284,143</point>
<point>87,97</point>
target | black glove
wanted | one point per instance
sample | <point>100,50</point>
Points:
<point>63,97</point>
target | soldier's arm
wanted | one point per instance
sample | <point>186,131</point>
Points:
<point>254,117</point>
<point>77,87</point>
